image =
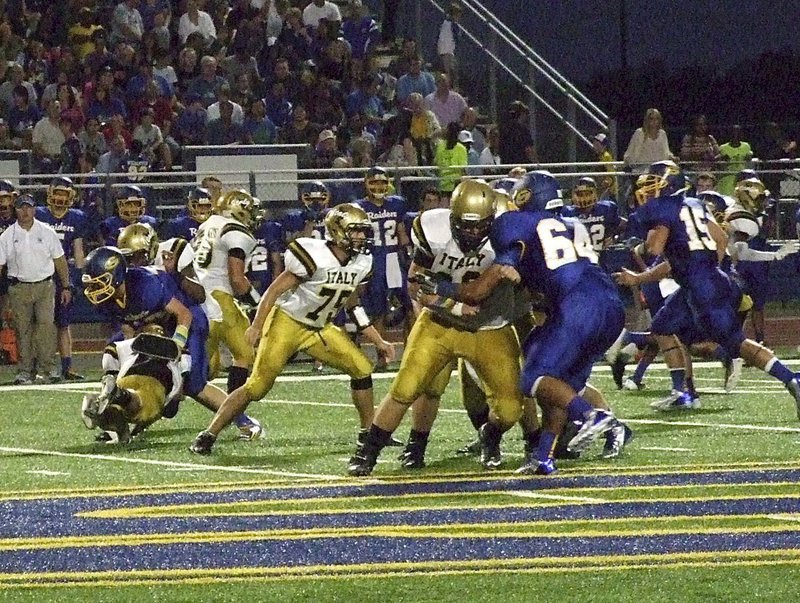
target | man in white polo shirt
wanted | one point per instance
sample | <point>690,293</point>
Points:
<point>32,252</point>
<point>321,9</point>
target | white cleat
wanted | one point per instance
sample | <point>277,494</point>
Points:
<point>733,373</point>
<point>108,385</point>
<point>597,423</point>
<point>676,401</point>
<point>631,386</point>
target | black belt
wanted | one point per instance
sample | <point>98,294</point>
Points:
<point>455,324</point>
<point>13,280</point>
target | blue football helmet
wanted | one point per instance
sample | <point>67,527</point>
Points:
<point>60,196</point>
<point>538,191</point>
<point>131,203</point>
<point>8,192</point>
<point>669,180</point>
<point>584,193</point>
<point>199,205</point>
<point>315,196</point>
<point>376,182</point>
<point>103,274</point>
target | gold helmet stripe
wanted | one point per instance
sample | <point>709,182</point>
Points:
<point>303,256</point>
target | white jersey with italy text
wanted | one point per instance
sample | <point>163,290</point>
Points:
<point>326,282</point>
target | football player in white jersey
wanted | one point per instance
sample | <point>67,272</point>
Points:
<point>295,314</point>
<point>452,244</point>
<point>222,248</point>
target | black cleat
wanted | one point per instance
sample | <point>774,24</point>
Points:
<point>203,443</point>
<point>569,432</point>
<point>72,376</point>
<point>471,449</point>
<point>362,462</point>
<point>491,457</point>
<point>616,439</point>
<point>413,455</point>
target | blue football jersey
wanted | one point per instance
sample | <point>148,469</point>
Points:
<point>112,227</point>
<point>295,221</point>
<point>269,239</point>
<point>690,249</point>
<point>182,227</point>
<point>71,226</point>
<point>147,292</point>
<point>385,220</point>
<point>601,221</point>
<point>552,254</point>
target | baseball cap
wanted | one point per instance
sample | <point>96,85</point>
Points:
<point>601,138</point>
<point>24,199</point>
<point>465,136</point>
<point>325,135</point>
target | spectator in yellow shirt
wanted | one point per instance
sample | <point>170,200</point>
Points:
<point>451,159</point>
<point>80,34</point>
<point>737,153</point>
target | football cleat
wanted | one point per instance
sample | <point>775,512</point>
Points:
<point>363,461</point>
<point>413,455</point>
<point>491,457</point>
<point>203,443</point>
<point>597,422</point>
<point>733,373</point>
<point>631,386</point>
<point>249,429</point>
<point>89,411</point>
<point>536,467</point>
<point>54,377</point>
<point>471,449</point>
<point>616,439</point>
<point>794,388</point>
<point>362,437</point>
<point>72,376</point>
<point>23,379</point>
<point>676,401</point>
<point>108,388</point>
<point>106,437</point>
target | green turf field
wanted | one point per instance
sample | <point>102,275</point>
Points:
<point>702,506</point>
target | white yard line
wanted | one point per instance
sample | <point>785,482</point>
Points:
<point>661,449</point>
<point>187,466</point>
<point>533,494</point>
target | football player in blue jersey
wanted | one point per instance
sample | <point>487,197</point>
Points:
<point>8,192</point>
<point>266,260</point>
<point>309,219</point>
<point>600,216</point>
<point>70,226</point>
<point>391,248</point>
<point>140,297</point>
<point>131,208</point>
<point>554,256</point>
<point>199,208</point>
<point>704,308</point>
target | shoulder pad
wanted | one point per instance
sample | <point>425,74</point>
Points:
<point>303,255</point>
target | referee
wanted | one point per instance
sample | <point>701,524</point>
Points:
<point>33,252</point>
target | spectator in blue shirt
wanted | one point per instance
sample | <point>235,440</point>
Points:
<point>258,126</point>
<point>208,82</point>
<point>416,80</point>
<point>190,126</point>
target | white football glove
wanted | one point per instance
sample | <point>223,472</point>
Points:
<point>787,248</point>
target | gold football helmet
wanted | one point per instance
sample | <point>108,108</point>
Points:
<point>751,194</point>
<point>139,244</point>
<point>242,206</point>
<point>472,210</point>
<point>345,224</point>
<point>584,193</point>
<point>60,196</point>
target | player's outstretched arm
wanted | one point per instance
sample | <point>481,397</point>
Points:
<point>285,281</point>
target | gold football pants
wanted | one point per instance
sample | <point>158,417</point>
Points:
<point>283,336</point>
<point>230,331</point>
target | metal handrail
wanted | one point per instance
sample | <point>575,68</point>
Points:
<point>495,23</point>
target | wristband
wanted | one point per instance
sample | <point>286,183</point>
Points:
<point>251,297</point>
<point>359,317</point>
<point>180,335</point>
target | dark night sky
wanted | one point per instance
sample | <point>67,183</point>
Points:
<point>577,35</point>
